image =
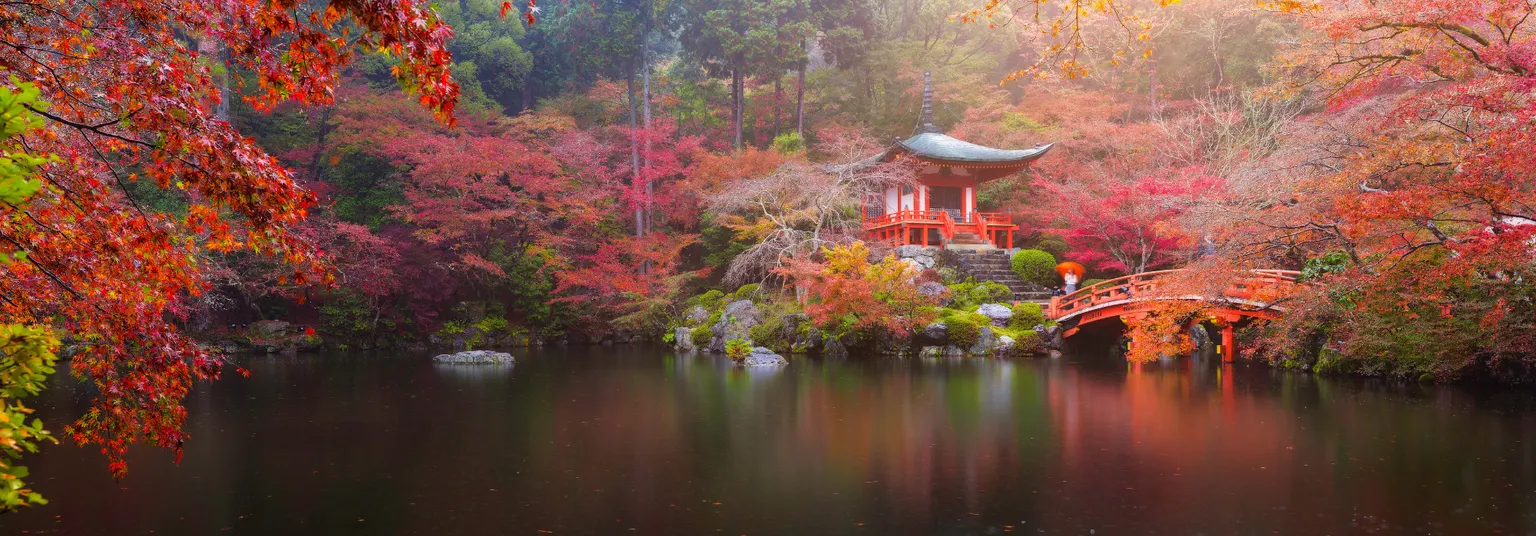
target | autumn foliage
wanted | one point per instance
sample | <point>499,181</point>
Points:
<point>846,292</point>
<point>134,110</point>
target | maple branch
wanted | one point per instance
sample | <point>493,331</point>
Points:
<point>31,259</point>
<point>92,128</point>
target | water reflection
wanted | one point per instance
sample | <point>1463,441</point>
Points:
<point>604,440</point>
<point>475,372</point>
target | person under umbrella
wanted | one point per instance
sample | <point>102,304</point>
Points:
<point>1071,274</point>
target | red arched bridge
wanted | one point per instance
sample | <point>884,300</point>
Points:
<point>1250,295</point>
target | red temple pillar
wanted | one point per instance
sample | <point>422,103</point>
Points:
<point>1228,343</point>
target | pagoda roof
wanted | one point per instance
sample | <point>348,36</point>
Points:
<point>941,147</point>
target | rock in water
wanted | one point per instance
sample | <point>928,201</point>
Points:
<point>475,357</point>
<point>762,357</point>
<point>736,322</point>
<point>682,339</point>
<point>999,313</point>
<point>935,334</point>
<point>985,342</point>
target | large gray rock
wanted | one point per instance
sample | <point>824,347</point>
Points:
<point>999,313</point>
<point>697,315</point>
<point>1050,337</point>
<point>682,339</point>
<point>762,357</point>
<point>1199,336</point>
<point>919,257</point>
<point>986,342</point>
<point>1006,346</point>
<point>269,328</point>
<point>736,322</point>
<point>935,334</point>
<point>475,357</point>
<point>807,342</point>
<point>932,288</point>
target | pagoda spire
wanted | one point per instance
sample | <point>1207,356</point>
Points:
<point>926,124</point>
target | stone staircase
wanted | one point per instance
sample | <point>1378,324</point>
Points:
<point>995,265</point>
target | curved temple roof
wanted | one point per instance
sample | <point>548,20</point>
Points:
<point>935,146</point>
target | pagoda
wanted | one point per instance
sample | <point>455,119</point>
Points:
<point>940,211</point>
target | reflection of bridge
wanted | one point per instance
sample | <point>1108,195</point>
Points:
<point>1131,297</point>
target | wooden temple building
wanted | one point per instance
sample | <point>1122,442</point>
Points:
<point>940,211</point>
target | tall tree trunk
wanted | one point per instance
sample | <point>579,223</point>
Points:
<point>800,103</point>
<point>736,108</point>
<point>634,155</point>
<point>527,94</point>
<point>213,51</point>
<point>324,129</point>
<point>650,187</point>
<point>778,97</point>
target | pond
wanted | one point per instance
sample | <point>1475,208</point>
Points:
<point>617,440</point>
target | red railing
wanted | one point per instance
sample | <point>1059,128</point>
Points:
<point>1128,287</point>
<point>917,216</point>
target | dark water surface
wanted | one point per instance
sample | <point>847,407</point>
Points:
<point>636,440</point>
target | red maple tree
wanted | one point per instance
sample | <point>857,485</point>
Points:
<point>133,101</point>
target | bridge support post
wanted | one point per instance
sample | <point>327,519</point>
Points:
<point>1228,343</point>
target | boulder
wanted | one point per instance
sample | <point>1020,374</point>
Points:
<point>790,325</point>
<point>999,313</point>
<point>762,357</point>
<point>932,288</point>
<point>807,342</point>
<point>935,334</point>
<point>831,347</point>
<point>986,342</point>
<point>1050,337</point>
<point>736,322</point>
<point>1199,336</point>
<point>475,357</point>
<point>696,316</point>
<point>269,328</point>
<point>682,339</point>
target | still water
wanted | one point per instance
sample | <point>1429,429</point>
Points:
<point>640,441</point>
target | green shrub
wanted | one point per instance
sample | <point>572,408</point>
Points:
<point>708,300</point>
<point>492,324</point>
<point>1035,266</point>
<point>1090,282</point>
<point>1026,316</point>
<point>701,335</point>
<point>749,291</point>
<point>738,349</point>
<point>964,326</point>
<point>669,337</point>
<point>969,295</point>
<point>789,143</point>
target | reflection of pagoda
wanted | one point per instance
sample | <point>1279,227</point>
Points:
<point>941,210</point>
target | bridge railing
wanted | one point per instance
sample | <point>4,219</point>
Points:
<point>1129,287</point>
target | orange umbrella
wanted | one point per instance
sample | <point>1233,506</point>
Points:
<point>1071,267</point>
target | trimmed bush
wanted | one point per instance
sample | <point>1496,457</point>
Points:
<point>749,291</point>
<point>969,295</point>
<point>964,327</point>
<point>1090,282</point>
<point>1035,266</point>
<point>1026,316</point>
<point>963,331</point>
